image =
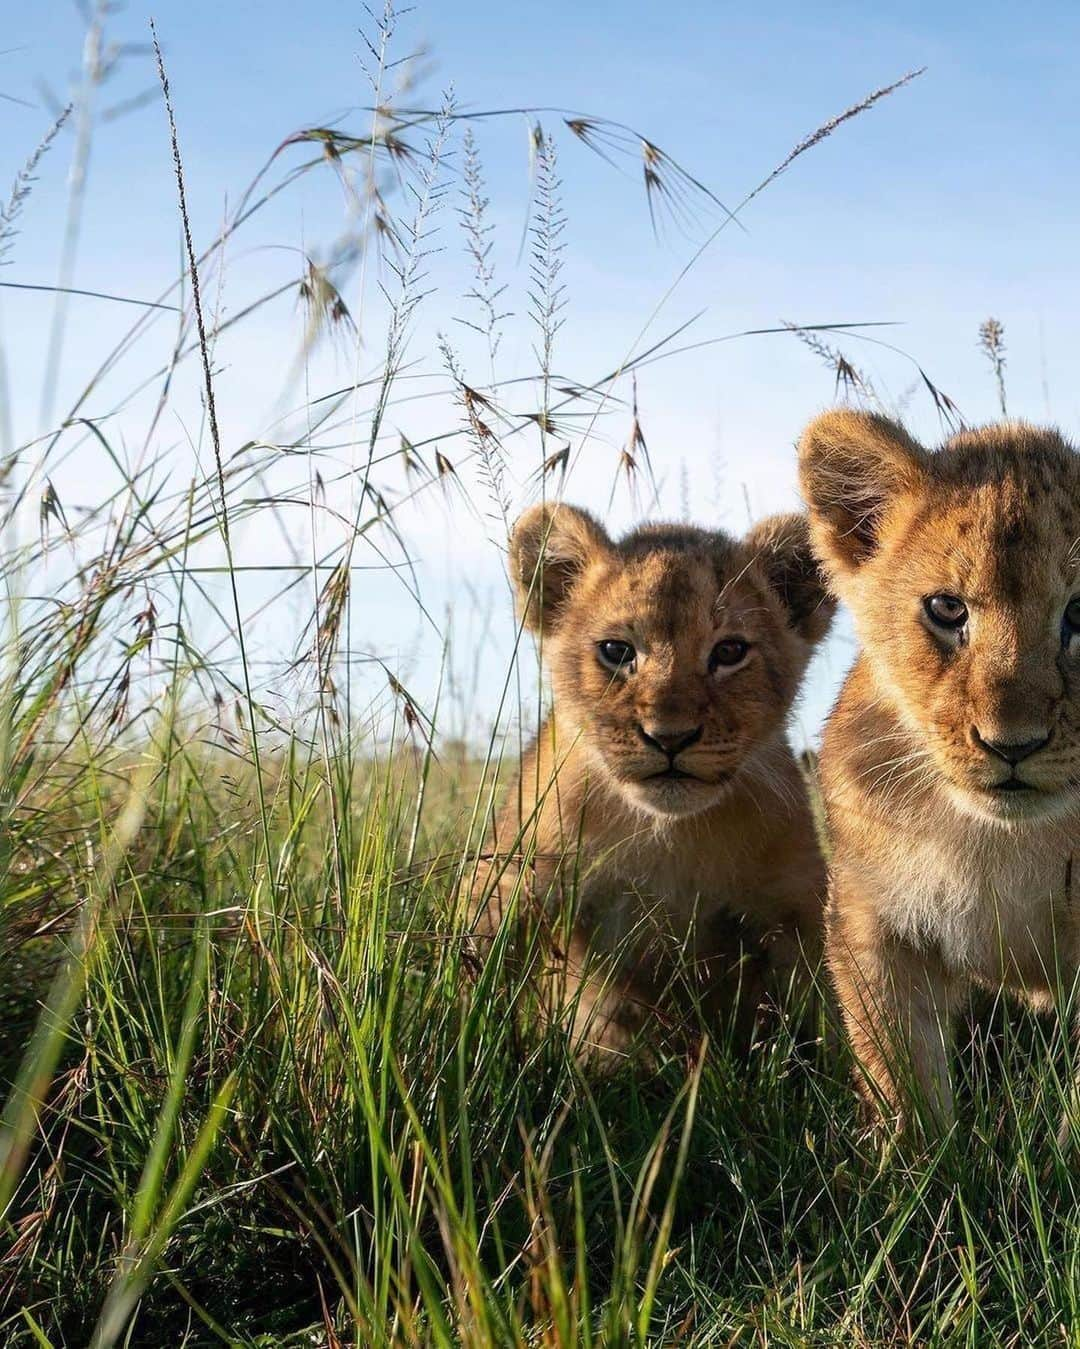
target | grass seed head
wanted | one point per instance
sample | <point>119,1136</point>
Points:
<point>992,344</point>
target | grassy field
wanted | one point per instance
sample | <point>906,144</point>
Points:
<point>261,1088</point>
<point>290,1107</point>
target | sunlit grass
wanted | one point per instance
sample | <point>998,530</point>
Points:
<point>261,1085</point>
<point>307,1105</point>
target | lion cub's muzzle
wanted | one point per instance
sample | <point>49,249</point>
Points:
<point>674,771</point>
<point>1006,753</point>
<point>1015,770</point>
<point>670,744</point>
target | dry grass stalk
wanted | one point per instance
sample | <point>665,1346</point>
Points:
<point>992,344</point>
<point>850,380</point>
<point>325,305</point>
<point>215,433</point>
<point>24,183</point>
<point>668,186</point>
<point>485,292</point>
<point>547,293</point>
<point>480,413</point>
<point>827,128</point>
<point>634,456</point>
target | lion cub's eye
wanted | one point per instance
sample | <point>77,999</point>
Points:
<point>616,655</point>
<point>731,651</point>
<point>946,611</point>
<point>1070,623</point>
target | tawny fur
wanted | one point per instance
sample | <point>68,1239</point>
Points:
<point>650,887</point>
<point>939,879</point>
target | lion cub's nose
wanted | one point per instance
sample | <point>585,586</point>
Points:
<point>1012,751</point>
<point>669,742</point>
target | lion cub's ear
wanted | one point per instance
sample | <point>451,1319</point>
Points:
<point>851,465</point>
<point>549,548</point>
<point>780,545</point>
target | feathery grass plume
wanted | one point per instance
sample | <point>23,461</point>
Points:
<point>480,415</point>
<point>663,189</point>
<point>826,129</point>
<point>634,461</point>
<point>668,186</point>
<point>145,624</point>
<point>992,344</point>
<point>411,460</point>
<point>427,195</point>
<point>478,231</point>
<point>850,380</point>
<point>807,143</point>
<point>948,413</point>
<point>326,309</point>
<point>547,293</point>
<point>558,462</point>
<point>328,621</point>
<point>24,184</point>
<point>415,719</point>
<point>670,189</point>
<point>51,508</point>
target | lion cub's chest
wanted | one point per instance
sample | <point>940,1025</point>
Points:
<point>999,909</point>
<point>633,885</point>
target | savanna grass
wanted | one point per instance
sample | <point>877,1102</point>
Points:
<point>263,1087</point>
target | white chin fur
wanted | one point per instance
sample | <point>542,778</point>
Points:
<point>1012,811</point>
<point>668,799</point>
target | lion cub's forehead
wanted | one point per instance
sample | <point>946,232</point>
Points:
<point>671,581</point>
<point>1003,511</point>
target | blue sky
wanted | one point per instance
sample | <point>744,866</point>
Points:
<point>952,200</point>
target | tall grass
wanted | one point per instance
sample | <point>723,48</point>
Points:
<point>264,1089</point>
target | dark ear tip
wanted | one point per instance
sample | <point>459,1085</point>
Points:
<point>787,530</point>
<point>783,548</point>
<point>815,625</point>
<point>813,611</point>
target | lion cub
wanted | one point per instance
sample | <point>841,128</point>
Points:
<point>660,818</point>
<point>951,762</point>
